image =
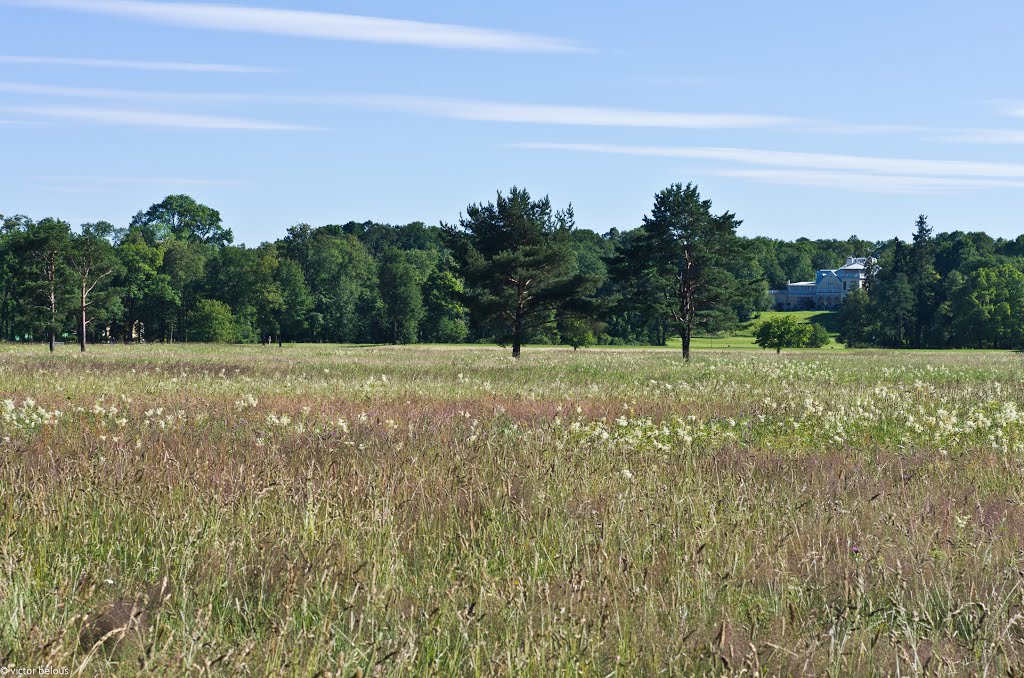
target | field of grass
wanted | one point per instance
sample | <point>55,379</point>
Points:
<point>743,338</point>
<point>829,319</point>
<point>325,510</point>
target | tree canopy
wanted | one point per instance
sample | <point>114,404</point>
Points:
<point>513,271</point>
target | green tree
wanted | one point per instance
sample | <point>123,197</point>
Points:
<point>212,321</point>
<point>185,267</point>
<point>401,294</point>
<point>47,244</point>
<point>783,331</point>
<point>686,253</point>
<point>342,278</point>
<point>445,317</point>
<point>182,217</point>
<point>924,282</point>
<point>294,318</point>
<point>143,287</point>
<point>988,309</point>
<point>578,332</point>
<point>520,267</point>
<point>642,300</point>
<point>892,297</point>
<point>818,337</point>
<point>856,319</point>
<point>13,274</point>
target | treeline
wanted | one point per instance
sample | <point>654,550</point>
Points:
<point>512,271</point>
<point>951,290</point>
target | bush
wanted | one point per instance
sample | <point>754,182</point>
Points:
<point>781,332</point>
<point>818,337</point>
<point>577,332</point>
<point>211,321</point>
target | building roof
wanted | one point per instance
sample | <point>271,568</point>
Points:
<point>853,267</point>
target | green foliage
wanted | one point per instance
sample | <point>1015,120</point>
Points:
<point>856,320</point>
<point>181,217</point>
<point>988,308</point>
<point>785,331</point>
<point>46,247</point>
<point>401,294</point>
<point>818,337</point>
<point>94,260</point>
<point>520,266</point>
<point>211,321</point>
<point>294,319</point>
<point>513,271</point>
<point>686,255</point>
<point>445,318</point>
<point>578,332</point>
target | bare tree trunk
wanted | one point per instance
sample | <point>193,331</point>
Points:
<point>81,335</point>
<point>517,321</point>
<point>129,323</point>
<point>53,318</point>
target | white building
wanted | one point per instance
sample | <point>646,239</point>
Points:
<point>827,291</point>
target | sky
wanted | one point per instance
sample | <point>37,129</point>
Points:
<point>805,118</point>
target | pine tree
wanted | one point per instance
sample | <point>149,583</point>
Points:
<point>685,255</point>
<point>521,270</point>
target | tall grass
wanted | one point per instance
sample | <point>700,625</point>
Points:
<point>364,510</point>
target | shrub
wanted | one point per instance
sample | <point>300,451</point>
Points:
<point>818,336</point>
<point>211,321</point>
<point>781,332</point>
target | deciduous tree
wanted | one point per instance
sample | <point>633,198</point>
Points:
<point>781,332</point>
<point>93,259</point>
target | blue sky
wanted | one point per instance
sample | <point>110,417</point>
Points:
<point>805,118</point>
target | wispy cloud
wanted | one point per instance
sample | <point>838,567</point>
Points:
<point>1007,107</point>
<point>186,67</point>
<point>543,114</point>
<point>306,24</point>
<point>983,136</point>
<point>528,113</point>
<point>597,116</point>
<point>794,159</point>
<point>32,89</point>
<point>865,183</point>
<point>115,116</point>
<point>455,109</point>
<point>126,180</point>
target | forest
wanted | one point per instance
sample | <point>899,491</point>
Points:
<point>514,270</point>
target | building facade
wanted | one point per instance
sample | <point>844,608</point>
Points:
<point>828,290</point>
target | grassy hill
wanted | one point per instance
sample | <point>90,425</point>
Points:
<point>743,338</point>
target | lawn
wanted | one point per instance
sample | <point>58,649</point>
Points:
<point>743,338</point>
<point>332,510</point>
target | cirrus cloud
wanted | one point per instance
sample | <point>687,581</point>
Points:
<point>308,24</point>
<point>115,116</point>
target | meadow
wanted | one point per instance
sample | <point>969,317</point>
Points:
<point>332,510</point>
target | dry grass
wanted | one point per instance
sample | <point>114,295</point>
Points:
<point>359,510</point>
